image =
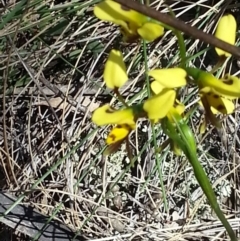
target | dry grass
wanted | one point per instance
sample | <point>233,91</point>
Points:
<point>52,57</point>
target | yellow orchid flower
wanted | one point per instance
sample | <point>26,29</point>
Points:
<point>106,115</point>
<point>226,31</point>
<point>215,93</point>
<point>168,78</point>
<point>158,106</point>
<point>115,73</point>
<point>133,24</point>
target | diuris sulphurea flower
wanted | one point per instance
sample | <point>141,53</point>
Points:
<point>123,119</point>
<point>155,108</point>
<point>226,31</point>
<point>133,24</point>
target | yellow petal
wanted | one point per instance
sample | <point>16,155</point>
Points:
<point>150,31</point>
<point>115,74</point>
<point>169,78</point>
<point>226,31</point>
<point>106,115</point>
<point>219,104</point>
<point>118,133</point>
<point>159,105</point>
<point>156,87</point>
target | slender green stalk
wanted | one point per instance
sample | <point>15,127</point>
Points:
<point>182,48</point>
<point>208,191</point>
<point>181,44</point>
<point>146,67</point>
<point>184,137</point>
<point>120,97</point>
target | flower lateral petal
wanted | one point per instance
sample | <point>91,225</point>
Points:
<point>118,133</point>
<point>169,78</point>
<point>106,115</point>
<point>115,73</point>
<point>159,105</point>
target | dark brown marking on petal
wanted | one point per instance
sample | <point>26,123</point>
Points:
<point>215,96</point>
<point>220,107</point>
<point>127,127</point>
<point>113,137</point>
<point>125,8</point>
<point>228,81</point>
<point>109,111</point>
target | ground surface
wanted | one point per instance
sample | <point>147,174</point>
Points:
<point>52,58</point>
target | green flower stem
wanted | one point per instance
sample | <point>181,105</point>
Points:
<point>181,44</point>
<point>120,97</point>
<point>146,67</point>
<point>184,137</point>
<point>182,48</point>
